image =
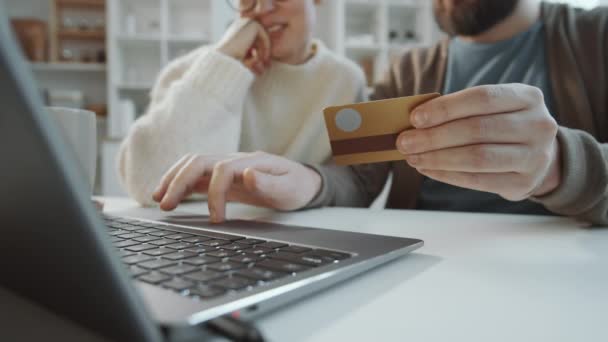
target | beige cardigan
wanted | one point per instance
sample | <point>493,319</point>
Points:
<point>577,49</point>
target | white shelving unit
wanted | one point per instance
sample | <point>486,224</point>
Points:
<point>143,37</point>
<point>371,32</point>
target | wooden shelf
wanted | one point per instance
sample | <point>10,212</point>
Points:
<point>81,35</point>
<point>139,38</point>
<point>96,4</point>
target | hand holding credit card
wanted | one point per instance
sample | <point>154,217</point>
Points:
<point>367,132</point>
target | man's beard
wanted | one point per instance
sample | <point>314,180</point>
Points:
<point>472,17</point>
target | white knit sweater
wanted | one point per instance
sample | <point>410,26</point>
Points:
<point>209,103</point>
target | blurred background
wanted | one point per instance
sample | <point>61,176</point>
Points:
<point>104,55</point>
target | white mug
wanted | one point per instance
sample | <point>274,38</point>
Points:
<point>79,129</point>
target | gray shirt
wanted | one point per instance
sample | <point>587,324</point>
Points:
<point>520,59</point>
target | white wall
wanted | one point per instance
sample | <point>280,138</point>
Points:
<point>29,8</point>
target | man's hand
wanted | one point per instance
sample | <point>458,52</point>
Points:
<point>498,138</point>
<point>257,178</point>
<point>247,41</point>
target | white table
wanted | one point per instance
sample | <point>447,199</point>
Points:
<point>478,278</point>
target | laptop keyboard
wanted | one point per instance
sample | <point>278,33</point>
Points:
<point>208,264</point>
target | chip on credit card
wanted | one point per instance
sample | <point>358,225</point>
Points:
<point>367,132</point>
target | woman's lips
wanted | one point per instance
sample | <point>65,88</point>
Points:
<point>276,30</point>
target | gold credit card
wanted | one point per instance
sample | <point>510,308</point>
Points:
<point>367,132</point>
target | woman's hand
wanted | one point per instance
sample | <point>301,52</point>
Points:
<point>257,178</point>
<point>247,41</point>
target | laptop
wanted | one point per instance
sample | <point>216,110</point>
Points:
<point>143,274</point>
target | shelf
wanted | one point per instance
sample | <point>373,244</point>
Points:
<point>139,38</point>
<point>81,4</point>
<point>188,40</point>
<point>135,87</point>
<point>363,47</point>
<point>362,4</point>
<point>62,67</point>
<point>408,3</point>
<point>81,35</point>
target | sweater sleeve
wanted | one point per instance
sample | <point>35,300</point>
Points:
<point>358,185</point>
<point>199,112</point>
<point>583,192</point>
<point>354,186</point>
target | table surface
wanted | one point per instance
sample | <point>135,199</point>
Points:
<point>479,277</point>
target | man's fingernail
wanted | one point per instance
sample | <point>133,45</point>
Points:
<point>406,144</point>
<point>419,117</point>
<point>413,159</point>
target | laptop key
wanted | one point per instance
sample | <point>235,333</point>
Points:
<point>246,258</point>
<point>179,245</point>
<point>201,260</point>
<point>117,232</point>
<point>145,225</point>
<point>226,266</point>
<point>178,284</point>
<point>115,239</point>
<point>178,269</point>
<point>196,239</point>
<point>200,249</point>
<point>145,230</point>
<point>146,238</point>
<point>154,277</point>
<point>123,253</point>
<point>252,241</point>
<point>331,254</point>
<point>179,255</point>
<point>162,233</point>
<point>159,251</point>
<point>222,253</point>
<point>215,243</point>
<point>126,243</point>
<point>282,266</point>
<point>134,259</point>
<point>204,276</point>
<point>136,271</point>
<point>271,245</point>
<point>156,263</point>
<point>130,235</point>
<point>236,247</point>
<point>206,291</point>
<point>221,236</point>
<point>260,251</point>
<point>233,283</point>
<point>295,249</point>
<point>308,260</point>
<point>162,242</point>
<point>139,248</point>
<point>258,273</point>
<point>179,236</point>
<point>128,227</point>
